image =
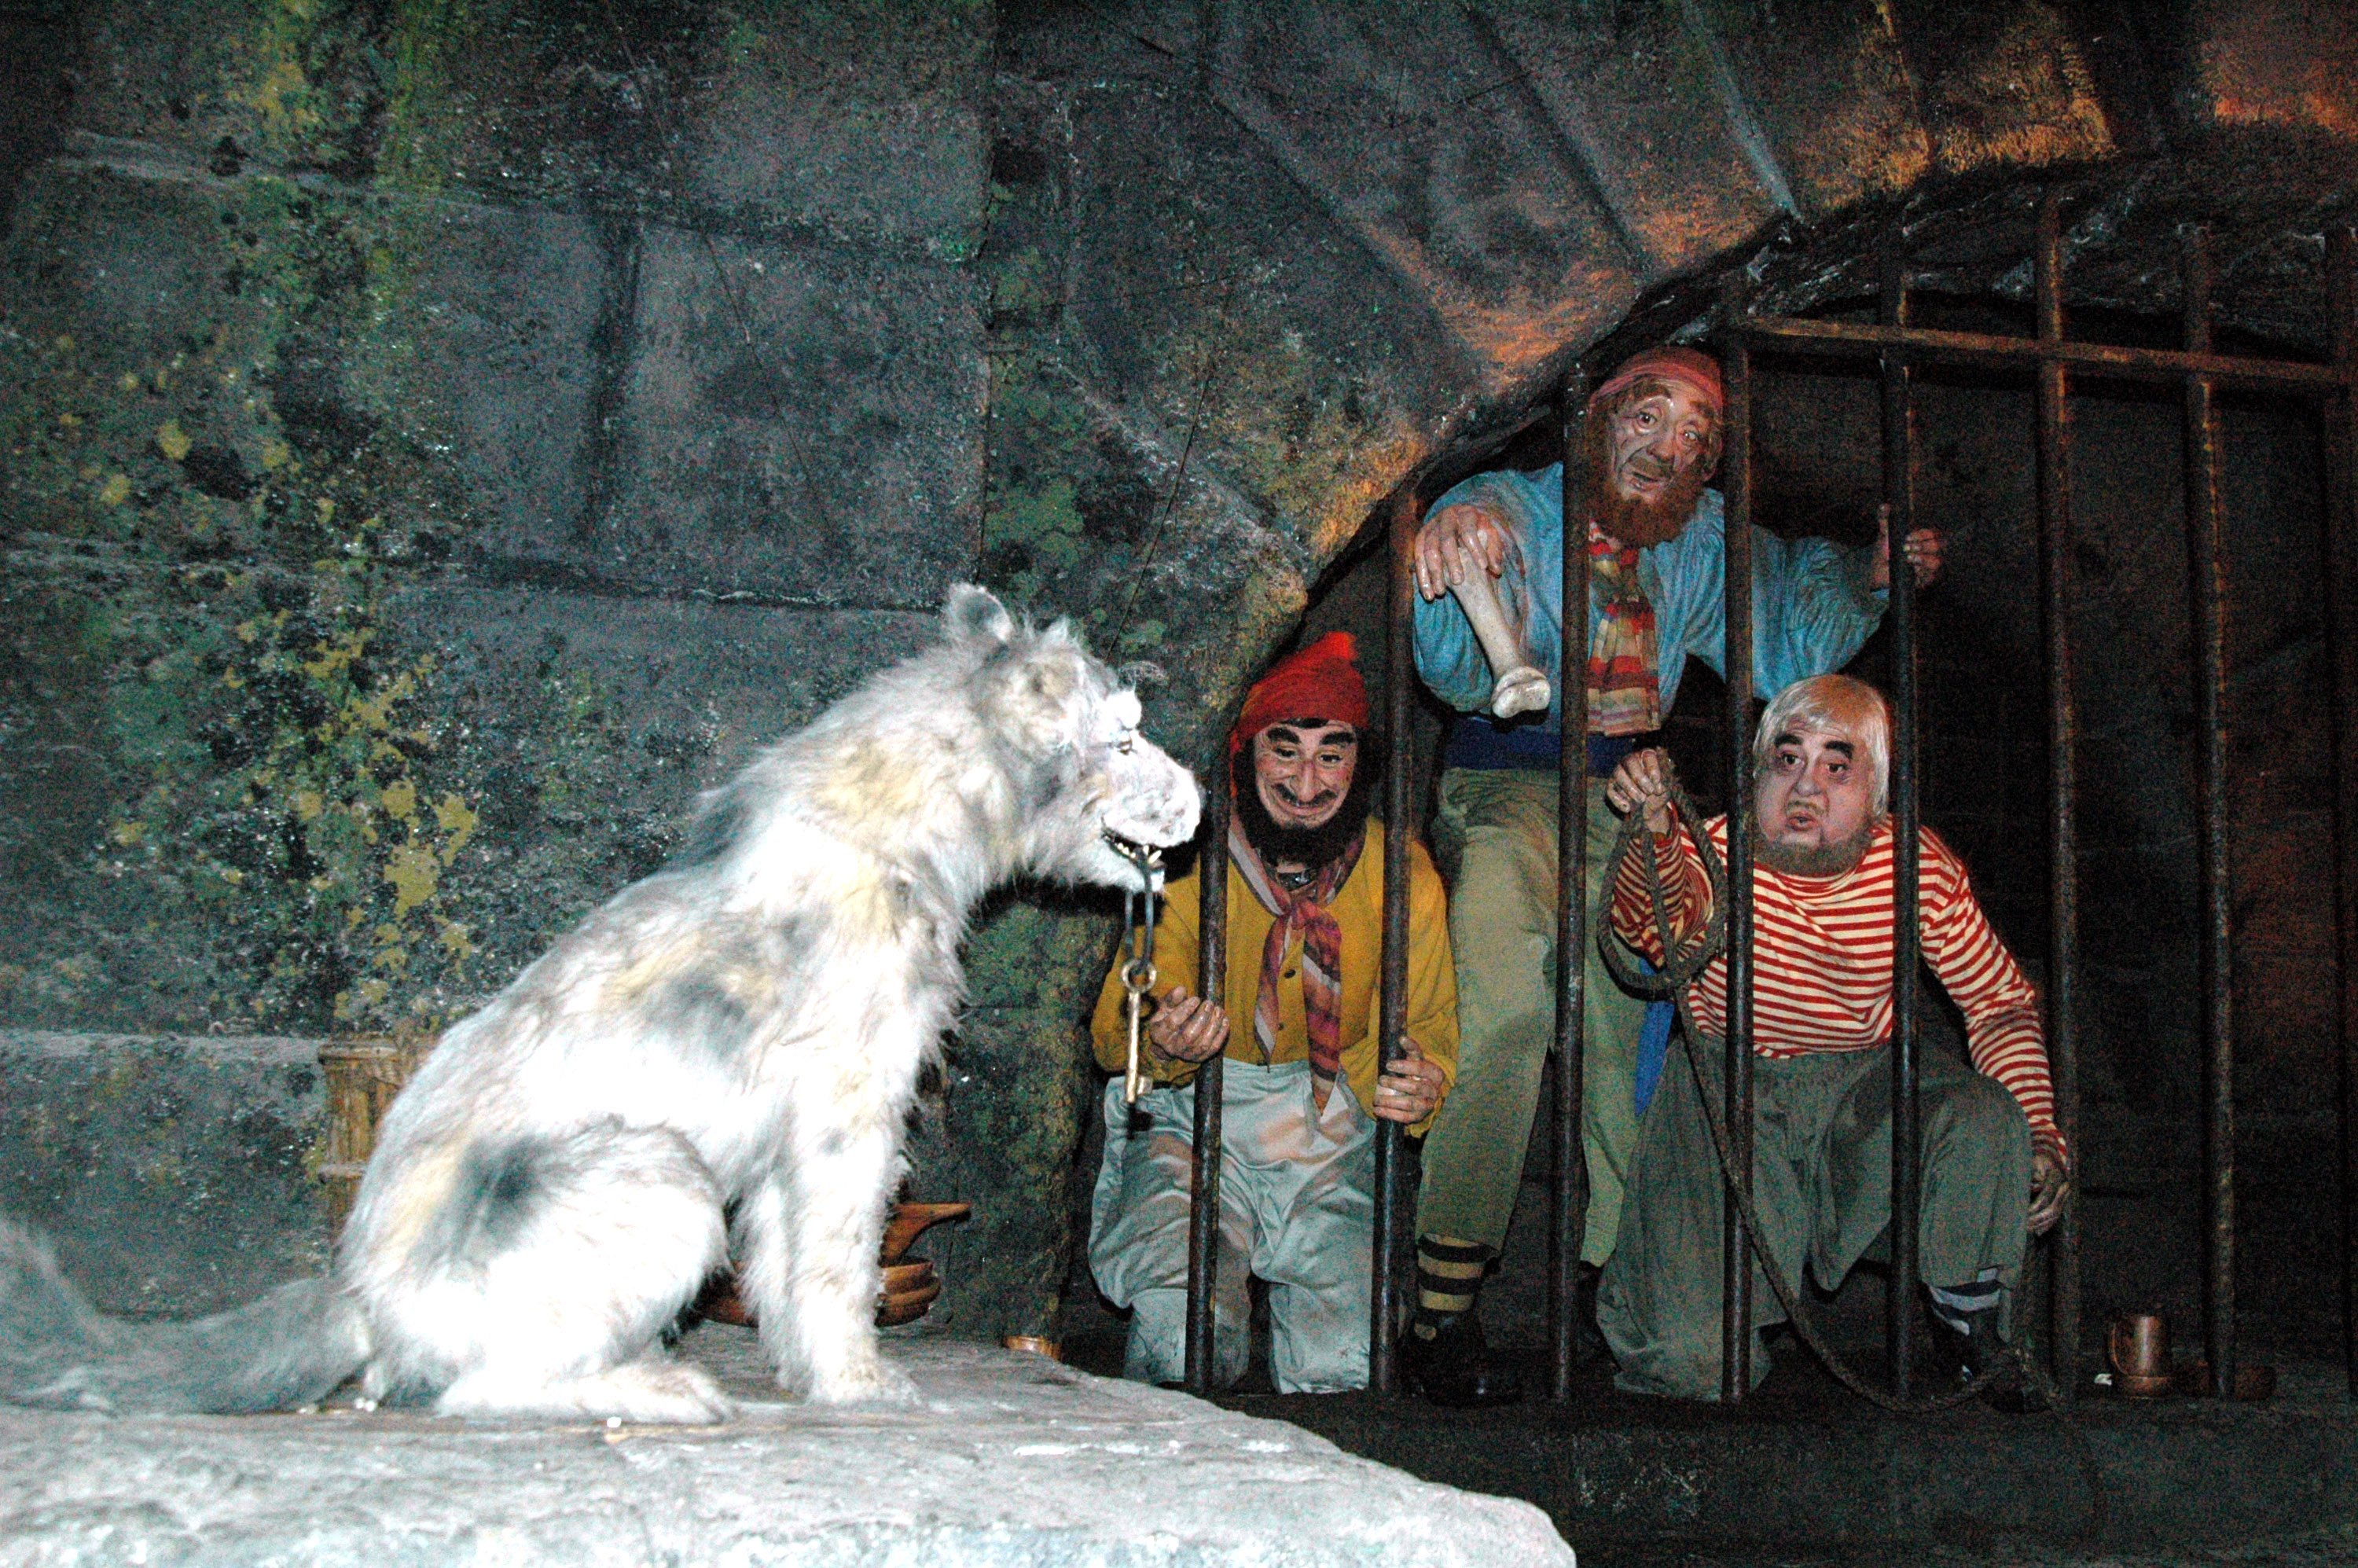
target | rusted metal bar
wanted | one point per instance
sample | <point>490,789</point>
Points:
<point>1735,465</point>
<point>2062,820</point>
<point>1927,346</point>
<point>1568,1192</point>
<point>1383,1318</point>
<point>1907,955</point>
<point>1204,1198</point>
<point>2341,651</point>
<point>2208,570</point>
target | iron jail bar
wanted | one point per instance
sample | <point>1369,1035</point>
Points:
<point>1903,347</point>
<point>1568,1170</point>
<point>1400,670</point>
<point>2054,491</point>
<point>1203,1196</point>
<point>1736,662</point>
<point>2342,660</point>
<point>2207,570</point>
<point>1907,1126</point>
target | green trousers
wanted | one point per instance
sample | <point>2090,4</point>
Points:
<point>1822,1182</point>
<point>1496,830</point>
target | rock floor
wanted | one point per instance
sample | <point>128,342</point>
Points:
<point>1012,1459</point>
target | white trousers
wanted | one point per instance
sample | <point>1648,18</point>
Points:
<point>1297,1210</point>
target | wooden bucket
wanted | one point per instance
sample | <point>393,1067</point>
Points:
<point>363,1074</point>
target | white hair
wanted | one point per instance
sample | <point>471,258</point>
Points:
<point>1833,703</point>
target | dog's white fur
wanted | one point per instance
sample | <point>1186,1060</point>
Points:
<point>737,1035</point>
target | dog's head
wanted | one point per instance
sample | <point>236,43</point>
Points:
<point>1066,729</point>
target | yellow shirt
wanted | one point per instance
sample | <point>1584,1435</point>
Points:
<point>1359,910</point>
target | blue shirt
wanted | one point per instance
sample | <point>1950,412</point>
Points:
<point>1811,611</point>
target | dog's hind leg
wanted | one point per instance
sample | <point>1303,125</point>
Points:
<point>542,1282</point>
<point>810,1234</point>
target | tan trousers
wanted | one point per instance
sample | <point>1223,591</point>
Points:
<point>1498,828</point>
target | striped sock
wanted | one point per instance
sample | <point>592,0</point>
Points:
<point>1448,1278</point>
<point>1957,1304</point>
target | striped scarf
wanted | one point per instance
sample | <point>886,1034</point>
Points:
<point>1302,910</point>
<point>1625,692</point>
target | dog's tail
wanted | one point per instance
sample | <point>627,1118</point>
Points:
<point>291,1347</point>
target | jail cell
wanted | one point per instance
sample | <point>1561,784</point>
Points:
<point>1897,348</point>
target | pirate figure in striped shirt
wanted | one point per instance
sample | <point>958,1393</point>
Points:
<point>1994,1170</point>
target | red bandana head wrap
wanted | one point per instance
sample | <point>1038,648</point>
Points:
<point>1689,368</point>
<point>1320,681</point>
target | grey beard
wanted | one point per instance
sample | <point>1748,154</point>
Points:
<point>1810,860</point>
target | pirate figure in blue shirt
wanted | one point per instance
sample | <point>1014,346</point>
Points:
<point>1656,538</point>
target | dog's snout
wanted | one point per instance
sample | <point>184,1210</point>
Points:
<point>1186,807</point>
<point>1181,822</point>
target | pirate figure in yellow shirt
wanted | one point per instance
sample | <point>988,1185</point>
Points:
<point>1299,1026</point>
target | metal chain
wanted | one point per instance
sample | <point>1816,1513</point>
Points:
<point>1138,967</point>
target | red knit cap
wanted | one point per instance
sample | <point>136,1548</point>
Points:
<point>1320,681</point>
<point>1689,368</point>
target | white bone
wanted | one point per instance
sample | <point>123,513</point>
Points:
<point>1521,687</point>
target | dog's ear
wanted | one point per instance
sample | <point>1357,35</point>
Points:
<point>973,616</point>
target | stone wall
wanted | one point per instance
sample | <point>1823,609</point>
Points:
<point>441,439</point>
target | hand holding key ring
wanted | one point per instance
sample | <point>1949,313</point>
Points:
<point>1138,969</point>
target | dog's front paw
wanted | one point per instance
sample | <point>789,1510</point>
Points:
<point>870,1382</point>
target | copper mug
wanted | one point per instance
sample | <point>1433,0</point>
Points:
<point>2139,1349</point>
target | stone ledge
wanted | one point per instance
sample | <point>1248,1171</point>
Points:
<point>213,1051</point>
<point>1011,1460</point>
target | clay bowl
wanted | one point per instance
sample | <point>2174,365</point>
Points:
<point>910,1220</point>
<point>1035,1345</point>
<point>909,1288</point>
<point>721,1303</point>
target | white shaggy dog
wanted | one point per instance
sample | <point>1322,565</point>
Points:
<point>741,1031</point>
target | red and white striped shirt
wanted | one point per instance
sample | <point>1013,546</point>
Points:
<point>1822,960</point>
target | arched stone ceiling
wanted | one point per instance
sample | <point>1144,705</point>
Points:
<point>1258,264</point>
